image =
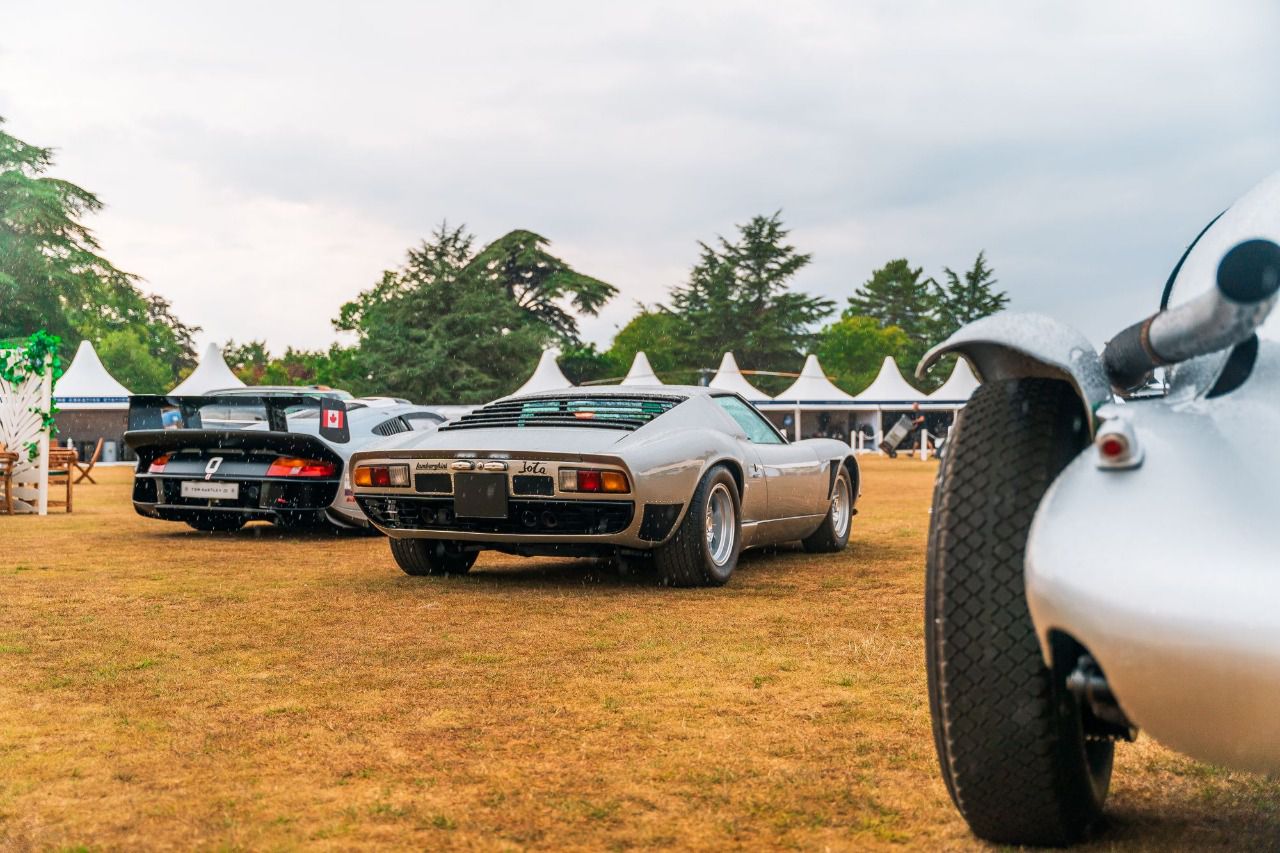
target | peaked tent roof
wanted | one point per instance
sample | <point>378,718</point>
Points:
<point>812,386</point>
<point>547,376</point>
<point>959,387</point>
<point>730,378</point>
<point>641,372</point>
<point>88,385</point>
<point>890,387</point>
<point>210,374</point>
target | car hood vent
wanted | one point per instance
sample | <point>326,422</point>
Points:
<point>611,411</point>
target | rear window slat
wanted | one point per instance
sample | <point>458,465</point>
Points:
<point>598,412</point>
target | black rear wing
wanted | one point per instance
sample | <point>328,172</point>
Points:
<point>233,412</point>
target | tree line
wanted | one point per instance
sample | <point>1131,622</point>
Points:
<point>463,322</point>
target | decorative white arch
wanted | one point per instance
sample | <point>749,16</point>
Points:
<point>20,424</point>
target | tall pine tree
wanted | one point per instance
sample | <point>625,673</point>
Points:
<point>739,298</point>
<point>963,300</point>
<point>54,277</point>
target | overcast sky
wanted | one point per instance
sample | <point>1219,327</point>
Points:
<point>263,162</point>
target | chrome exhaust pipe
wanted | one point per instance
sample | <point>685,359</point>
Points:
<point>1248,286</point>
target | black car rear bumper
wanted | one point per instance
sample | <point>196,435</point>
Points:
<point>281,501</point>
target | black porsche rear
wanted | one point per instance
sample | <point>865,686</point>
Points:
<point>217,462</point>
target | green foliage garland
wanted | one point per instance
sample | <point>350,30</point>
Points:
<point>29,361</point>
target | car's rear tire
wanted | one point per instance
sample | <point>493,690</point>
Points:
<point>216,523</point>
<point>833,534</point>
<point>420,557</point>
<point>1009,735</point>
<point>705,547</point>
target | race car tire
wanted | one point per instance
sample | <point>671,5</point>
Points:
<point>833,534</point>
<point>420,557</point>
<point>704,550</point>
<point>1008,733</point>
<point>216,523</point>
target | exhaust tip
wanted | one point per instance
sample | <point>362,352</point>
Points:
<point>549,520</point>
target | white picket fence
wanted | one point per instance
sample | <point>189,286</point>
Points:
<point>20,424</point>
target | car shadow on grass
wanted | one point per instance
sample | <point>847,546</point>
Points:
<point>258,532</point>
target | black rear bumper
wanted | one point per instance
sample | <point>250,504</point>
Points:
<point>281,501</point>
<point>525,517</point>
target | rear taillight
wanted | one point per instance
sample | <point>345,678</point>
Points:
<point>382,475</point>
<point>292,466</point>
<point>593,480</point>
<point>157,464</point>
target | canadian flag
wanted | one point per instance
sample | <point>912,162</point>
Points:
<point>333,418</point>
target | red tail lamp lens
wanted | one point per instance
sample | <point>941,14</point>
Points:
<point>593,480</point>
<point>157,464</point>
<point>292,466</point>
<point>589,481</point>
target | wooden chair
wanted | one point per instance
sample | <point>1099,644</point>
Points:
<point>8,461</point>
<point>85,468</point>
<point>62,463</point>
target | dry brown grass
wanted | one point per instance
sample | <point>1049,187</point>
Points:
<point>161,688</point>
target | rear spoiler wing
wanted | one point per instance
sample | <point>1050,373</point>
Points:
<point>158,412</point>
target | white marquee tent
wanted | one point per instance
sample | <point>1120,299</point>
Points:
<point>957,390</point>
<point>547,376</point>
<point>889,389</point>
<point>93,406</point>
<point>730,378</point>
<point>641,372</point>
<point>811,392</point>
<point>88,386</point>
<point>210,374</point>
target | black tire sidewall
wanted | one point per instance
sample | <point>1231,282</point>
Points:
<point>982,655</point>
<point>719,574</point>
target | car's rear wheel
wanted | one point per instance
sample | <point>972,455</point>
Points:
<point>431,557</point>
<point>833,534</point>
<point>704,550</point>
<point>1009,735</point>
<point>216,523</point>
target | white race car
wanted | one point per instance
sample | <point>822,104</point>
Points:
<point>1103,555</point>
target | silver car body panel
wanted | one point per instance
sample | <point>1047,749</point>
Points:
<point>785,488</point>
<point>1169,573</point>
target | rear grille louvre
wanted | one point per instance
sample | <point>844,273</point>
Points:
<point>529,517</point>
<point>624,412</point>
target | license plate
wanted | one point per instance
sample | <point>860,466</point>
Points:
<point>210,491</point>
<point>480,495</point>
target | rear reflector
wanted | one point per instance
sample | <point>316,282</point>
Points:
<point>292,466</point>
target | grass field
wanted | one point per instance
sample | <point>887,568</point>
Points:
<point>161,688</point>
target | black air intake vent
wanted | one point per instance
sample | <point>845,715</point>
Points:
<point>629,412</point>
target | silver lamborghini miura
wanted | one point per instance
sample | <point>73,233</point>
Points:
<point>689,475</point>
